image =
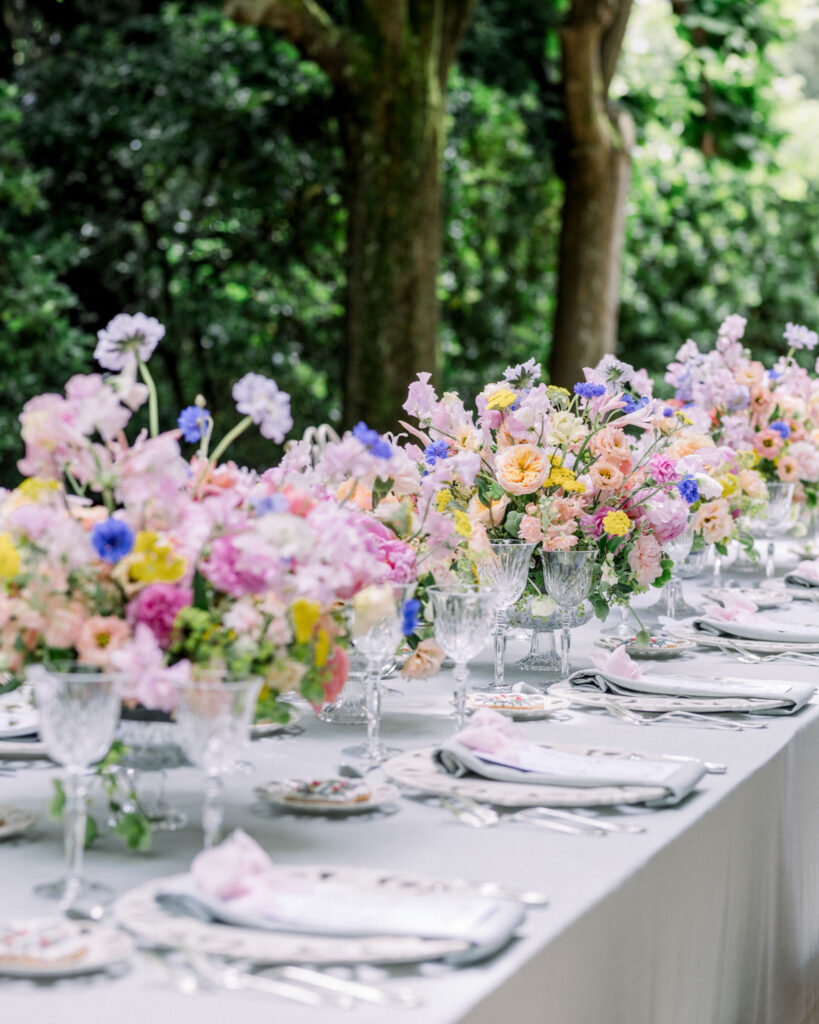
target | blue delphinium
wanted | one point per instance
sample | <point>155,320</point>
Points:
<point>588,390</point>
<point>782,428</point>
<point>373,440</point>
<point>409,616</point>
<point>688,489</point>
<point>436,451</point>
<point>631,404</point>
<point>193,422</point>
<point>112,540</point>
<point>270,503</point>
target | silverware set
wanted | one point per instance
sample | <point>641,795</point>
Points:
<point>477,815</point>
<point>749,657</point>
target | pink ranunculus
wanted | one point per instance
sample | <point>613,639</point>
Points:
<point>644,560</point>
<point>157,606</point>
<point>663,469</point>
<point>99,637</point>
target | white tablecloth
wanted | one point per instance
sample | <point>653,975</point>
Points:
<point>710,917</point>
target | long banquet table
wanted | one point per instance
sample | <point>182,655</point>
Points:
<point>709,917</point>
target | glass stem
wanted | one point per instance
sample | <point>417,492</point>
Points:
<point>375,749</point>
<point>76,790</point>
<point>460,674</point>
<point>717,568</point>
<point>770,567</point>
<point>213,811</point>
<point>672,590</point>
<point>500,648</point>
<point>565,641</point>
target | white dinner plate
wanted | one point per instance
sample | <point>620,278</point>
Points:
<point>417,770</point>
<point>763,597</point>
<point>139,912</point>
<point>14,821</point>
<point>651,702</point>
<point>78,948</point>
<point>660,647</point>
<point>380,794</point>
<point>711,640</point>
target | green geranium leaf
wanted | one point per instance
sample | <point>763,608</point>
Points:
<point>135,829</point>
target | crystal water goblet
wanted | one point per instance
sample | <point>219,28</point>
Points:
<point>504,570</point>
<point>78,714</point>
<point>775,518</point>
<point>672,602</point>
<point>214,717</point>
<point>461,616</point>
<point>567,576</point>
<point>376,620</point>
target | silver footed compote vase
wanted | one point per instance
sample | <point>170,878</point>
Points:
<point>214,717</point>
<point>462,616</point>
<point>504,570</point>
<point>377,617</point>
<point>78,713</point>
<point>567,576</point>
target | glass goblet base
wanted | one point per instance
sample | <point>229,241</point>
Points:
<point>73,891</point>
<point>363,752</point>
<point>542,656</point>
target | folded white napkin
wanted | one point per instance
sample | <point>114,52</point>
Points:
<point>758,627</point>
<point>806,574</point>
<point>495,750</point>
<point>792,695</point>
<point>237,883</point>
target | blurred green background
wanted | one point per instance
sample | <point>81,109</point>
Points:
<point>155,156</point>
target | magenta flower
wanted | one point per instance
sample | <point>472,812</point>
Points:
<point>157,606</point>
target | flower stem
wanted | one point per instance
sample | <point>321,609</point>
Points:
<point>223,445</point>
<point>153,399</point>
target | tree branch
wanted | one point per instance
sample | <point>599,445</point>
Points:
<point>307,26</point>
<point>612,42</point>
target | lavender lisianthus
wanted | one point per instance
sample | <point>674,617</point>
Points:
<point>259,398</point>
<point>127,338</point>
<point>799,336</point>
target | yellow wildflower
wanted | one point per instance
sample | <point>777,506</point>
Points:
<point>463,527</point>
<point>305,616</point>
<point>557,390</point>
<point>322,648</point>
<point>9,558</point>
<point>443,498</point>
<point>154,560</point>
<point>730,483</point>
<point>34,486</point>
<point>502,399</point>
<point>616,524</point>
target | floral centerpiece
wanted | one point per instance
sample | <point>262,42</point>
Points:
<point>589,469</point>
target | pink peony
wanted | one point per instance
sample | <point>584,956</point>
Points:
<point>644,560</point>
<point>663,469</point>
<point>231,570</point>
<point>156,606</point>
<point>148,681</point>
<point>668,516</point>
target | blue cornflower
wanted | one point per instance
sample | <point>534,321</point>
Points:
<point>774,374</point>
<point>373,440</point>
<point>193,422</point>
<point>668,412</point>
<point>436,451</point>
<point>688,489</point>
<point>270,503</point>
<point>112,540</point>
<point>588,390</point>
<point>409,616</point>
<point>782,428</point>
<point>631,404</point>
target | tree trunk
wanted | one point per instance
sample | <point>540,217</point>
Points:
<point>393,136</point>
<point>597,175</point>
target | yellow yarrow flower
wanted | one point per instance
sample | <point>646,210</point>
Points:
<point>502,399</point>
<point>305,615</point>
<point>154,561</point>
<point>34,487</point>
<point>322,648</point>
<point>616,524</point>
<point>9,558</point>
<point>463,527</point>
<point>557,390</point>
<point>730,484</point>
<point>443,498</point>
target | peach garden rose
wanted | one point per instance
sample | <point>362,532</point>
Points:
<point>522,468</point>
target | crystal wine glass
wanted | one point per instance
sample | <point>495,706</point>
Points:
<point>775,518</point>
<point>376,617</point>
<point>214,717</point>
<point>568,577</point>
<point>78,712</point>
<point>462,616</point>
<point>672,603</point>
<point>504,571</point>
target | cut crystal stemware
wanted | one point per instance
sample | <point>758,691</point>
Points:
<point>462,616</point>
<point>504,570</point>
<point>567,576</point>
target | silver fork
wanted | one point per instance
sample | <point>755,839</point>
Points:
<point>478,815</point>
<point>704,721</point>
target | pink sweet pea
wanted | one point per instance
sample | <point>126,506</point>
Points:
<point>617,663</point>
